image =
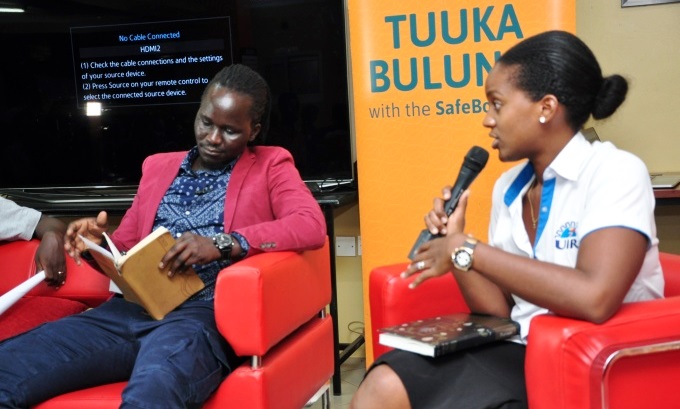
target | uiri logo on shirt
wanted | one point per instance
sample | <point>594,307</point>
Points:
<point>565,238</point>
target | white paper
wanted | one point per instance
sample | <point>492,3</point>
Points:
<point>112,248</point>
<point>114,254</point>
<point>15,294</point>
<point>96,247</point>
<point>114,288</point>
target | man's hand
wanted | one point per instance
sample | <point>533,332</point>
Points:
<point>189,249</point>
<point>51,258</point>
<point>89,227</point>
<point>50,255</point>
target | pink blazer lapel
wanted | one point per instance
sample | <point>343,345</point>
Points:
<point>238,177</point>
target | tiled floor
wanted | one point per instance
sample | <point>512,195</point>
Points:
<point>352,372</point>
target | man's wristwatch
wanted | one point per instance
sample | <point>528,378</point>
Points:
<point>462,256</point>
<point>224,243</point>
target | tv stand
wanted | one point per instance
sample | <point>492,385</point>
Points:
<point>60,201</point>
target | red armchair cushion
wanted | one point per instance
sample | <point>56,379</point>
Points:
<point>671,273</point>
<point>17,258</point>
<point>85,287</point>
<point>30,312</point>
<point>392,302</point>
<point>98,397</point>
<point>295,287</point>
<point>293,370</point>
<point>83,283</point>
<point>573,364</point>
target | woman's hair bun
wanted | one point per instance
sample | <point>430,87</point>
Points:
<point>611,95</point>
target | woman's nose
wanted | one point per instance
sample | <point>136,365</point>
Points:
<point>488,121</point>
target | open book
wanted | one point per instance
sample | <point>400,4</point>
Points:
<point>138,276</point>
<point>447,333</point>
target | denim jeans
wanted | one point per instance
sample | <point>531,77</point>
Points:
<point>176,362</point>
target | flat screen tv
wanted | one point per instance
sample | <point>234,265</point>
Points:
<point>138,67</point>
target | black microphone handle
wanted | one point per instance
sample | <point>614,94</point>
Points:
<point>425,234</point>
<point>464,181</point>
<point>423,237</point>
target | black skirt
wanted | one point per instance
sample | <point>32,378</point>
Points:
<point>490,376</point>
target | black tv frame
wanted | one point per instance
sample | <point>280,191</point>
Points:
<point>50,145</point>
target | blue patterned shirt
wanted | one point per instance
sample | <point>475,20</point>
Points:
<point>194,203</point>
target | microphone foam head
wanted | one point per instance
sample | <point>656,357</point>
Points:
<point>476,158</point>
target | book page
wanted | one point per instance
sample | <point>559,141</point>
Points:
<point>112,247</point>
<point>113,287</point>
<point>96,247</point>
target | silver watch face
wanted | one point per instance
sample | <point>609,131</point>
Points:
<point>463,259</point>
<point>223,240</point>
<point>224,243</point>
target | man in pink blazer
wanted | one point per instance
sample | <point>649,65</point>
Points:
<point>223,200</point>
<point>266,202</point>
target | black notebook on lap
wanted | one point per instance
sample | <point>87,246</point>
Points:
<point>447,333</point>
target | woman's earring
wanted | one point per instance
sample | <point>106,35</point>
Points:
<point>541,119</point>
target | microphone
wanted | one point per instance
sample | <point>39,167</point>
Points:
<point>474,162</point>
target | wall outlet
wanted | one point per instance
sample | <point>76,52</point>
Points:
<point>345,246</point>
<point>358,245</point>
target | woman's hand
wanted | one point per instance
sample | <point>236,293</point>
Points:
<point>433,258</point>
<point>436,219</point>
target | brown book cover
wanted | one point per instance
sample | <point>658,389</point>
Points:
<point>448,333</point>
<point>139,278</point>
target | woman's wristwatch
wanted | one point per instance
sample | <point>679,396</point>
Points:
<point>462,257</point>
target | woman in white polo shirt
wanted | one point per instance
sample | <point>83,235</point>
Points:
<point>572,229</point>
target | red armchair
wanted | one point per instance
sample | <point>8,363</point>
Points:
<point>270,307</point>
<point>83,289</point>
<point>631,361</point>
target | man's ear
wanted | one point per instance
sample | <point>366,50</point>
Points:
<point>255,131</point>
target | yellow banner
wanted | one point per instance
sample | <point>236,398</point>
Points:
<point>417,77</point>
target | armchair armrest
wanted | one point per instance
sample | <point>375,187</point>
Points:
<point>85,287</point>
<point>577,364</point>
<point>17,263</point>
<point>264,298</point>
<point>83,283</point>
<point>393,303</point>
